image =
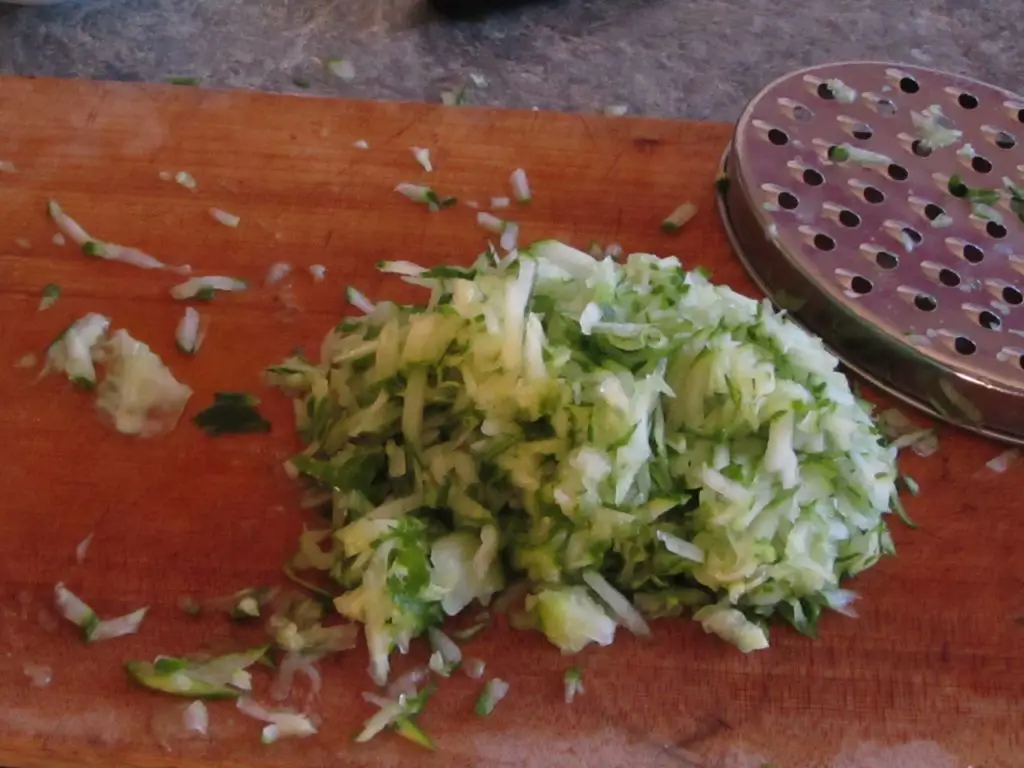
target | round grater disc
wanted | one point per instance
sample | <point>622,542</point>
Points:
<point>838,202</point>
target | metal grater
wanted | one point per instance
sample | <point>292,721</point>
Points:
<point>915,289</point>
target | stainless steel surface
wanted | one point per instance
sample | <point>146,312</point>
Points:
<point>915,288</point>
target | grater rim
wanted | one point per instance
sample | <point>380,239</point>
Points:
<point>722,207</point>
<point>964,319</point>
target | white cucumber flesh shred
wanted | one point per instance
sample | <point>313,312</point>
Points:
<point>520,186</point>
<point>225,218</point>
<point>73,352</point>
<point>189,335</point>
<point>422,156</point>
<point>139,393</point>
<point>204,287</point>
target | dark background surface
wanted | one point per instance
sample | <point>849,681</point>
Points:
<point>670,58</point>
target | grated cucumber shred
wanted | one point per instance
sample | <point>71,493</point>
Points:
<point>204,288</point>
<point>103,250</point>
<point>625,438</point>
<point>446,656</point>
<point>520,186</point>
<point>849,153</point>
<point>51,292</point>
<point>679,218</point>
<point>842,93</point>
<point>190,334</point>
<point>343,69</point>
<point>196,718</point>
<point>225,218</point>
<point>494,691</point>
<point>72,352</point>
<point>399,714</point>
<point>94,629</point>
<point>419,193</point>
<point>422,156</point>
<point>573,680</point>
<point>934,128</point>
<point>218,677</point>
<point>280,723</point>
<point>139,394</point>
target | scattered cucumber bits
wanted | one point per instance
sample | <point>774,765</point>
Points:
<point>494,691</point>
<point>398,714</point>
<point>248,603</point>
<point>425,195</point>
<point>139,394</point>
<point>102,250</point>
<point>520,186</point>
<point>225,218</point>
<point>341,68</point>
<point>679,218</point>
<point>280,723</point>
<point>841,92</point>
<point>220,677</point>
<point>204,288</point>
<point>573,679</point>
<point>848,153</point>
<point>94,629</point>
<point>51,292</point>
<point>71,353</point>
<point>189,335</point>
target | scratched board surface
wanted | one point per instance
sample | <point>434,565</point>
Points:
<point>930,674</point>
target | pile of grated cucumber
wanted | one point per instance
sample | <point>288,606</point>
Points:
<point>630,440</point>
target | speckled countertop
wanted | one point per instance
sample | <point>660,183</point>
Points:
<point>672,58</point>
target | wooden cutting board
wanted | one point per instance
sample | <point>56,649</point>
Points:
<point>930,676</point>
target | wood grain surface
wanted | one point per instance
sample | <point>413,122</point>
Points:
<point>930,676</point>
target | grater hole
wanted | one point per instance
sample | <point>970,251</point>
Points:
<point>788,201</point>
<point>949,278</point>
<point>989,320</point>
<point>973,253</point>
<point>967,100</point>
<point>1005,140</point>
<point>1020,360</point>
<point>1020,115</point>
<point>823,242</point>
<point>848,218</point>
<point>862,131</point>
<point>996,230</point>
<point>860,285</point>
<point>873,195</point>
<point>933,211</point>
<point>980,164</point>
<point>916,237</point>
<point>925,302</point>
<point>920,148</point>
<point>887,260</point>
<point>909,85</point>
<point>802,114</point>
<point>825,92</point>
<point>886,107</point>
<point>897,172</point>
<point>1012,295</point>
<point>964,346</point>
<point>813,178</point>
<point>778,137</point>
